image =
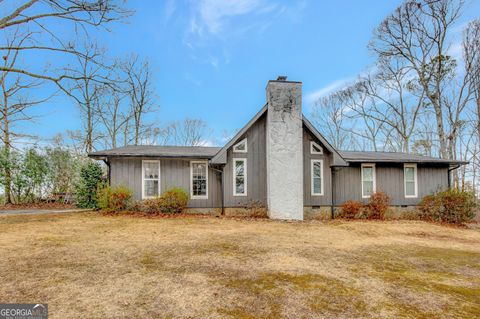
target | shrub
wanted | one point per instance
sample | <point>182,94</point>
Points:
<point>113,199</point>
<point>377,205</point>
<point>88,185</point>
<point>174,201</point>
<point>450,206</point>
<point>351,209</point>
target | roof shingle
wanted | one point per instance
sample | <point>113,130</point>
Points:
<point>159,151</point>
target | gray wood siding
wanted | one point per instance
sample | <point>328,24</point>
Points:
<point>256,167</point>
<point>389,179</point>
<point>173,173</point>
<point>308,198</point>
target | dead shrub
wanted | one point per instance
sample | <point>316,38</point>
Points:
<point>377,206</point>
<point>173,201</point>
<point>450,206</point>
<point>351,209</point>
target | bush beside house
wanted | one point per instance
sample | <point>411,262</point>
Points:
<point>376,207</point>
<point>173,201</point>
<point>114,199</point>
<point>450,206</point>
<point>89,184</point>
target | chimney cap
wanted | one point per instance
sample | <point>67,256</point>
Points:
<point>282,78</point>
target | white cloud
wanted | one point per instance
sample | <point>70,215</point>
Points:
<point>214,13</point>
<point>206,143</point>
<point>311,97</point>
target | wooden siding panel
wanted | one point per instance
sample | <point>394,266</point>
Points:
<point>431,178</point>
<point>308,198</point>
<point>256,167</point>
<point>173,173</point>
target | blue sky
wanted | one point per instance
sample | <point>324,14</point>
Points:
<point>212,58</point>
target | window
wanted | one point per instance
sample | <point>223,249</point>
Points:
<point>199,179</point>
<point>368,180</point>
<point>315,148</point>
<point>150,179</point>
<point>317,177</point>
<point>240,147</point>
<point>410,178</point>
<point>240,177</point>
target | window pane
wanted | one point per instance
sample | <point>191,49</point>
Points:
<point>317,185</point>
<point>150,170</point>
<point>151,188</point>
<point>367,188</point>
<point>199,187</point>
<point>239,185</point>
<point>317,169</point>
<point>409,174</point>
<point>240,147</point>
<point>410,188</point>
<point>239,168</point>
<point>316,149</point>
<point>367,173</point>
<point>199,179</point>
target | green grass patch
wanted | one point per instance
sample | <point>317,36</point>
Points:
<point>324,295</point>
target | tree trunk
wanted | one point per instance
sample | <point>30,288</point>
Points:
<point>7,147</point>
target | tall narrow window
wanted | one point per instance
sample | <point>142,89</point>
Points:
<point>410,178</point>
<point>239,176</point>
<point>199,179</point>
<point>240,147</point>
<point>317,177</point>
<point>150,179</point>
<point>368,180</point>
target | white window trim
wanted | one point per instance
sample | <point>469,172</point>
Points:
<point>191,180</point>
<point>414,166</point>
<point>245,172</point>
<point>374,175</point>
<point>312,151</point>
<point>241,151</point>
<point>313,161</point>
<point>150,179</point>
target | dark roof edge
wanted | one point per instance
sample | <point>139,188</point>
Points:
<point>336,155</point>
<point>217,159</point>
<point>429,161</point>
<point>99,156</point>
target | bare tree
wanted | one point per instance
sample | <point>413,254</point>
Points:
<point>43,20</point>
<point>189,132</point>
<point>393,101</point>
<point>329,115</point>
<point>113,116</point>
<point>140,91</point>
<point>471,56</point>
<point>15,104</point>
<point>87,91</point>
<point>417,33</point>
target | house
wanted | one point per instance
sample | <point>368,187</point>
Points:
<point>279,161</point>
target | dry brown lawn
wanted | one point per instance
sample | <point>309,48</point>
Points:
<point>93,266</point>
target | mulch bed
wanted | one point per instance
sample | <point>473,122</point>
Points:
<point>39,205</point>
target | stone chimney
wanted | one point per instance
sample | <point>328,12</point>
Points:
<point>284,149</point>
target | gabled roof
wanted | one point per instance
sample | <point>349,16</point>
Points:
<point>396,157</point>
<point>338,160</point>
<point>221,156</point>
<point>158,151</point>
